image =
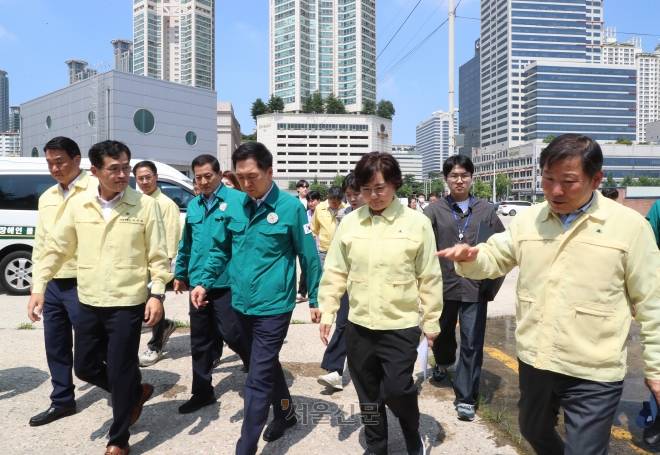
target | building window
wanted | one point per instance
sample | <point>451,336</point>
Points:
<point>35,151</point>
<point>91,118</point>
<point>49,122</point>
<point>144,121</point>
<point>191,138</point>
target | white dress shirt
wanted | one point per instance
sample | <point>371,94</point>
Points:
<point>66,190</point>
<point>108,206</point>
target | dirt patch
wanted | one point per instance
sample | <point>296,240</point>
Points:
<point>173,390</point>
<point>306,370</point>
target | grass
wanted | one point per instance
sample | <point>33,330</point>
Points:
<point>499,417</point>
<point>299,321</point>
<point>26,326</point>
<point>182,324</point>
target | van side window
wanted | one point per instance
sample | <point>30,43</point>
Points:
<point>22,192</point>
<point>181,196</point>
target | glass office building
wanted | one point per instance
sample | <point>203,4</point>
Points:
<point>432,140</point>
<point>324,46</point>
<point>595,100</point>
<point>469,102</point>
<point>4,101</point>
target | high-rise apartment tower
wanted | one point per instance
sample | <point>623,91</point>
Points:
<point>324,46</point>
<point>123,50</point>
<point>4,101</point>
<point>175,41</point>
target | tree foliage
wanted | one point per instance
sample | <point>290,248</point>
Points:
<point>337,181</point>
<point>275,104</point>
<point>248,137</point>
<point>323,189</point>
<point>334,105</point>
<point>481,189</point>
<point>258,108</point>
<point>624,141</point>
<point>609,181</point>
<point>385,109</point>
<point>314,104</point>
<point>501,184</point>
<point>549,139</point>
<point>369,107</point>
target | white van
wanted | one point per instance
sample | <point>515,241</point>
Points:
<point>22,182</point>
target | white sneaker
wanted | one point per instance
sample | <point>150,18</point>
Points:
<point>169,330</point>
<point>300,298</point>
<point>150,357</point>
<point>331,380</point>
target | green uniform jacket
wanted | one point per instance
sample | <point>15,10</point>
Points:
<point>654,218</point>
<point>197,237</point>
<point>263,254</point>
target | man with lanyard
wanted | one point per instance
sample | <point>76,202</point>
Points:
<point>456,219</point>
<point>146,176</point>
<point>61,299</point>
<point>214,321</point>
<point>260,238</point>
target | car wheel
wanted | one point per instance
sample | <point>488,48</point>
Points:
<point>16,272</point>
<point>512,212</point>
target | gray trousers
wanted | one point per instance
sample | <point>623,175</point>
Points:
<point>589,409</point>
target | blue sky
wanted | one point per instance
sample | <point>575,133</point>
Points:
<point>37,36</point>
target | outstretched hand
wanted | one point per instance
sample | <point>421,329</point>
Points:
<point>459,253</point>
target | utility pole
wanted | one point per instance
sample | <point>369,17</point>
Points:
<point>452,135</point>
<point>494,178</point>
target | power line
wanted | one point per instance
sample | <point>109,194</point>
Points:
<point>394,18</point>
<point>399,29</point>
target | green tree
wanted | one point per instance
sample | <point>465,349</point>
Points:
<point>627,181</point>
<point>624,141</point>
<point>314,104</point>
<point>501,184</point>
<point>369,107</point>
<point>481,189</point>
<point>248,137</point>
<point>609,181</point>
<point>334,105</point>
<point>549,139</point>
<point>258,108</point>
<point>275,104</point>
<point>404,191</point>
<point>292,185</point>
<point>385,109</point>
<point>323,189</point>
<point>338,180</point>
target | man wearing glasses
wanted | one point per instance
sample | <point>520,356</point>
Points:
<point>456,220</point>
<point>146,175</point>
<point>120,239</point>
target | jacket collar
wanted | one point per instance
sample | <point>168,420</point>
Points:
<point>156,193</point>
<point>389,213</point>
<point>271,198</point>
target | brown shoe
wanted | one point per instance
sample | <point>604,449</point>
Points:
<point>147,391</point>
<point>114,450</point>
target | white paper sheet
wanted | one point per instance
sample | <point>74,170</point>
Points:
<point>423,351</point>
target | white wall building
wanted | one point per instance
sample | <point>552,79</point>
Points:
<point>619,53</point>
<point>175,41</point>
<point>305,146</point>
<point>432,137</point>
<point>10,144</point>
<point>159,120</point>
<point>328,47</point>
<point>409,159</point>
<point>229,134</point>
<point>648,91</point>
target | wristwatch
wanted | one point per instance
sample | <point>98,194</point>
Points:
<point>160,297</point>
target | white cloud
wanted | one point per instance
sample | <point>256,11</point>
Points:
<point>4,34</point>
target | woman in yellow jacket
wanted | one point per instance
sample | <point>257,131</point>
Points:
<point>383,254</point>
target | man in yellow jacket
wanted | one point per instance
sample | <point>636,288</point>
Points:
<point>61,302</point>
<point>324,221</point>
<point>146,176</point>
<point>585,262</point>
<point>120,239</point>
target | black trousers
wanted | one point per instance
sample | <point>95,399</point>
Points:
<point>335,354</point>
<point>381,364</point>
<point>209,326</point>
<point>302,285</point>
<point>472,317</point>
<point>112,333</point>
<point>589,409</point>
<point>61,307</point>
<point>265,383</point>
<point>157,334</point>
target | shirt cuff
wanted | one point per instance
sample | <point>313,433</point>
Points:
<point>39,288</point>
<point>158,288</point>
<point>464,269</point>
<point>430,327</point>
<point>327,318</point>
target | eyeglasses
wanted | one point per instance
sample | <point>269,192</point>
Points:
<point>118,171</point>
<point>145,178</point>
<point>377,190</point>
<point>457,177</point>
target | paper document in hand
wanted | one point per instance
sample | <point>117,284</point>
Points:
<point>423,351</point>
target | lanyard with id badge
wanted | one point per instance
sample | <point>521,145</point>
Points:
<point>461,232</point>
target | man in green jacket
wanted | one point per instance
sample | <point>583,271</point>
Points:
<point>262,236</point>
<point>654,218</point>
<point>213,322</point>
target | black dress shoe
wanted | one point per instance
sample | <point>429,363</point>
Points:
<point>275,429</point>
<point>50,415</point>
<point>197,402</point>
<point>651,435</point>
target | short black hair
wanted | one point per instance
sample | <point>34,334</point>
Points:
<point>349,182</point>
<point>335,192</point>
<point>421,194</point>
<point>313,196</point>
<point>63,143</point>
<point>301,183</point>
<point>255,150</point>
<point>375,162</point>
<point>145,163</point>
<point>610,193</point>
<point>411,198</point>
<point>202,160</point>
<point>112,149</point>
<point>574,146</point>
<point>457,160</point>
